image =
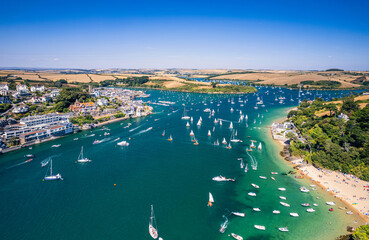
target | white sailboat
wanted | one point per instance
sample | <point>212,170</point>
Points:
<point>216,143</point>
<point>163,134</point>
<point>152,225</point>
<point>233,137</point>
<point>231,125</point>
<point>184,116</point>
<point>209,133</point>
<point>188,124</point>
<point>191,133</point>
<point>191,119</point>
<point>224,141</point>
<point>199,123</point>
<point>252,144</point>
<point>51,176</point>
<point>211,200</point>
<point>82,159</point>
<point>220,122</point>
<point>259,147</point>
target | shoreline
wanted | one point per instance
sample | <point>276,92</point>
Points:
<point>11,149</point>
<point>328,182</point>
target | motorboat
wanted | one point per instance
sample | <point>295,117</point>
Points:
<point>294,214</point>
<point>262,177</point>
<point>304,189</point>
<point>97,141</point>
<point>123,143</point>
<point>284,204</point>
<point>259,227</point>
<point>235,236</point>
<point>282,189</point>
<point>281,197</point>
<point>310,210</point>
<point>276,211</point>
<point>252,194</point>
<point>55,146</point>
<point>222,179</point>
<point>254,185</point>
<point>305,204</point>
<point>30,155</point>
<point>274,173</point>
<point>239,214</point>
<point>283,229</point>
<point>224,225</point>
<point>330,203</point>
<point>256,209</point>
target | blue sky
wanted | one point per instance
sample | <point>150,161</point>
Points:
<point>185,34</point>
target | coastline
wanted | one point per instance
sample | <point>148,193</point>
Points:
<point>327,180</point>
<point>11,149</point>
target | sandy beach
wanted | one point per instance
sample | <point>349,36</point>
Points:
<point>346,187</point>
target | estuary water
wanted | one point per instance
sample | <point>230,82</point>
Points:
<point>110,197</point>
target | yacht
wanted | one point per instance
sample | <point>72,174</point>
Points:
<point>284,229</point>
<point>235,236</point>
<point>51,176</point>
<point>294,214</point>
<point>82,159</point>
<point>123,143</point>
<point>284,204</point>
<point>259,227</point>
<point>310,210</point>
<point>239,214</point>
<point>276,211</point>
<point>252,194</point>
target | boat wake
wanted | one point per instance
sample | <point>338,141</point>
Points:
<point>142,131</point>
<point>254,163</point>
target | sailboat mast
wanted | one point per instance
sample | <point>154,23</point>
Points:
<point>51,167</point>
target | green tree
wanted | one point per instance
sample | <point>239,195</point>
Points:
<point>331,107</point>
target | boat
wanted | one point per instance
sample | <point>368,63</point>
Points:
<point>254,185</point>
<point>259,147</point>
<point>152,225</point>
<point>211,200</point>
<point>191,133</point>
<point>224,225</point>
<point>252,194</point>
<point>233,137</point>
<point>207,110</point>
<point>216,143</point>
<point>283,229</point>
<point>304,189</point>
<point>97,141</point>
<point>262,177</point>
<point>163,134</point>
<point>235,236</point>
<point>123,143</point>
<point>284,204</point>
<point>184,116</point>
<point>242,164</point>
<point>224,141</point>
<point>294,214</point>
<point>256,209</point>
<point>259,227</point>
<point>191,119</point>
<point>315,204</point>
<point>246,168</point>
<point>331,209</point>
<point>272,178</point>
<point>252,145</point>
<point>55,146</point>
<point>239,214</point>
<point>187,124</point>
<point>274,173</point>
<point>330,203</point>
<point>310,210</point>
<point>30,155</point>
<point>276,212</point>
<point>220,178</point>
<point>170,138</point>
<point>106,133</point>
<point>305,204</point>
<point>231,125</point>
<point>75,139</point>
<point>229,146</point>
<point>281,197</point>
<point>209,133</point>
<point>349,213</point>
<point>220,122</point>
<point>281,189</point>
<point>199,123</point>
<point>45,162</point>
<point>82,159</point>
<point>195,143</point>
<point>51,176</point>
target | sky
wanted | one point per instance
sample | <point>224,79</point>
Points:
<point>275,34</point>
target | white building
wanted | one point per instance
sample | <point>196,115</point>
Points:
<point>102,102</point>
<point>22,88</point>
<point>343,116</point>
<point>37,88</point>
<point>21,109</point>
<point>4,87</point>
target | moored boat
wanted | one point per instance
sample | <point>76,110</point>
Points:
<point>283,229</point>
<point>259,227</point>
<point>235,236</point>
<point>294,214</point>
<point>284,204</point>
<point>239,214</point>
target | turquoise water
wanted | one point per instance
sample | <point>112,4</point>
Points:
<point>110,197</point>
